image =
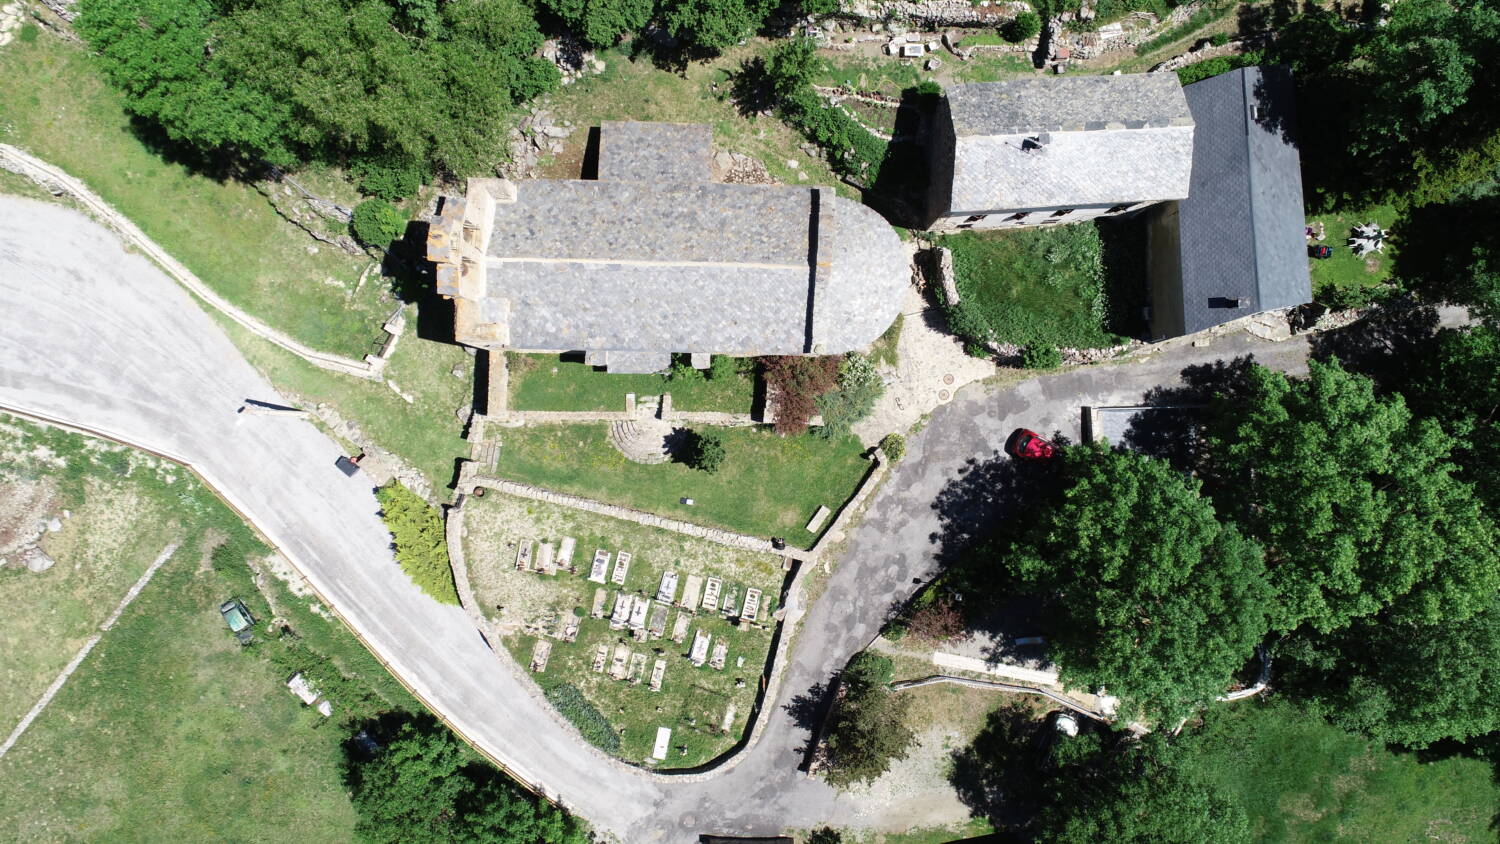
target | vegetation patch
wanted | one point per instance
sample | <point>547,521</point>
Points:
<point>571,703</point>
<point>562,382</point>
<point>1346,279</point>
<point>1037,286</point>
<point>767,486</point>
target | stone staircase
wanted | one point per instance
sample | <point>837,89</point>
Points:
<point>641,440</point>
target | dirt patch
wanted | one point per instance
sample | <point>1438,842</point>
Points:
<point>212,539</point>
<point>26,506</point>
<point>281,568</point>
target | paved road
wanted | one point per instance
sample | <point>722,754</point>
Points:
<point>101,339</point>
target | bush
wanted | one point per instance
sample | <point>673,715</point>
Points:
<point>572,705</point>
<point>859,387</point>
<point>723,367</point>
<point>1041,357</point>
<point>793,385</point>
<point>421,548</point>
<point>29,32</point>
<point>391,178</point>
<point>1021,27</point>
<point>936,622</point>
<point>894,446</point>
<point>1219,39</point>
<point>683,370</point>
<point>706,451</point>
<point>852,150</point>
<point>1215,66</point>
<point>377,223</point>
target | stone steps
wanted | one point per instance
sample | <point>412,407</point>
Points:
<point>641,440</point>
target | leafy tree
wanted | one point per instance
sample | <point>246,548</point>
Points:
<point>1450,253</point>
<point>377,223</point>
<point>601,22</point>
<point>291,80</point>
<point>793,385</point>
<point>424,785</point>
<point>867,729</point>
<point>1021,27</point>
<point>1411,684</point>
<point>420,543</point>
<point>1355,503</point>
<point>1154,598</point>
<point>1457,382</point>
<point>707,27</point>
<point>894,446</point>
<point>859,387</point>
<point>706,451</point>
<point>1140,795</point>
<point>791,67</point>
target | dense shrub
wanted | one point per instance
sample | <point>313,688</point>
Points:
<point>1021,27</point>
<point>707,27</point>
<point>852,151</point>
<point>705,451</point>
<point>377,223</point>
<point>391,177</point>
<point>682,370</point>
<point>867,729</point>
<point>859,387</point>
<point>601,23</point>
<point>723,367</point>
<point>572,705</point>
<point>1215,66</point>
<point>894,446</point>
<point>421,548</point>
<point>793,385</point>
<point>1041,357</point>
<point>936,621</point>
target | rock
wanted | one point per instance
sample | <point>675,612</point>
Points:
<point>934,64</point>
<point>54,525</point>
<point>36,560</point>
<point>555,131</point>
<point>723,161</point>
<point>792,164</point>
<point>598,65</point>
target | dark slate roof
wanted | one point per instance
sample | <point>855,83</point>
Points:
<point>1110,140</point>
<point>646,266</point>
<point>1241,227</point>
<point>655,152</point>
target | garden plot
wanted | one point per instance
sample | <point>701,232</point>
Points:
<point>646,629</point>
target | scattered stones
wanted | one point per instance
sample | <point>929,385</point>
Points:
<point>36,560</point>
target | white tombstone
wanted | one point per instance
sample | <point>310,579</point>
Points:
<point>600,570</point>
<point>622,568</point>
<point>663,741</point>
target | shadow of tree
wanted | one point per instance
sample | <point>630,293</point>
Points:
<point>996,775</point>
<point>1383,346</point>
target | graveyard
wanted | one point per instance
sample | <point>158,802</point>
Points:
<point>630,630</point>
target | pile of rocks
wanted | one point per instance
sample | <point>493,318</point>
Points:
<point>738,169</point>
<point>572,60</point>
<point>10,22</point>
<point>24,545</point>
<point>936,13</point>
<point>539,133</point>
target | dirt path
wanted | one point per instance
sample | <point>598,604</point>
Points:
<point>78,658</point>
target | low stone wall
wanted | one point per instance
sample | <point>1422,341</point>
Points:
<point>851,507</point>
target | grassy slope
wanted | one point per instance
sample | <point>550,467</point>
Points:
<point>1302,779</point>
<point>169,730</point>
<point>426,432</point>
<point>768,486</point>
<point>546,382</point>
<point>223,231</point>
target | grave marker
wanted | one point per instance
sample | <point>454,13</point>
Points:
<point>699,654</point>
<point>663,740</point>
<point>711,593</point>
<point>691,591</point>
<point>601,566</point>
<point>622,568</point>
<point>667,591</point>
<point>752,605</point>
<point>658,672</point>
<point>565,553</point>
<point>544,559</point>
<point>523,555</point>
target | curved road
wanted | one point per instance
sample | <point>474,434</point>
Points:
<point>101,339</point>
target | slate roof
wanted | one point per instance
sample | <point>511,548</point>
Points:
<point>655,152</point>
<point>675,265</point>
<point>1110,140</point>
<point>1241,228</point>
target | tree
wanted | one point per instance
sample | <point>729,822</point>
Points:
<point>793,385</point>
<point>286,81</point>
<point>601,23</point>
<point>1355,502</point>
<point>1410,684</point>
<point>1449,253</point>
<point>1457,382</point>
<point>419,539</point>
<point>424,785</point>
<point>867,729</point>
<point>1140,795</point>
<point>1154,599</point>
<point>707,27</point>
<point>791,67</point>
<point>706,451</point>
<point>1041,357</point>
<point>377,223</point>
<point>859,387</point>
<point>1022,27</point>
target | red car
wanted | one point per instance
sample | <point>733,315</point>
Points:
<point>1026,445</point>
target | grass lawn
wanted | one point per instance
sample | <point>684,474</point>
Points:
<point>56,105</point>
<point>885,349</point>
<point>768,486</point>
<point>1345,273</point>
<point>884,75</point>
<point>557,382</point>
<point>425,432</point>
<point>637,90</point>
<point>1036,286</point>
<point>693,702</point>
<point>1302,779</point>
<point>994,67</point>
<point>169,729</point>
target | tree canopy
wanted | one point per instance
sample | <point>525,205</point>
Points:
<point>1411,684</point>
<point>1153,597</point>
<point>601,22</point>
<point>412,85</point>
<point>1354,501</point>
<point>867,729</point>
<point>426,786</point>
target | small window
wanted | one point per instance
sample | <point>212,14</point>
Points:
<point>976,218</point>
<point>1063,212</point>
<point>1019,215</point>
<point>1119,209</point>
